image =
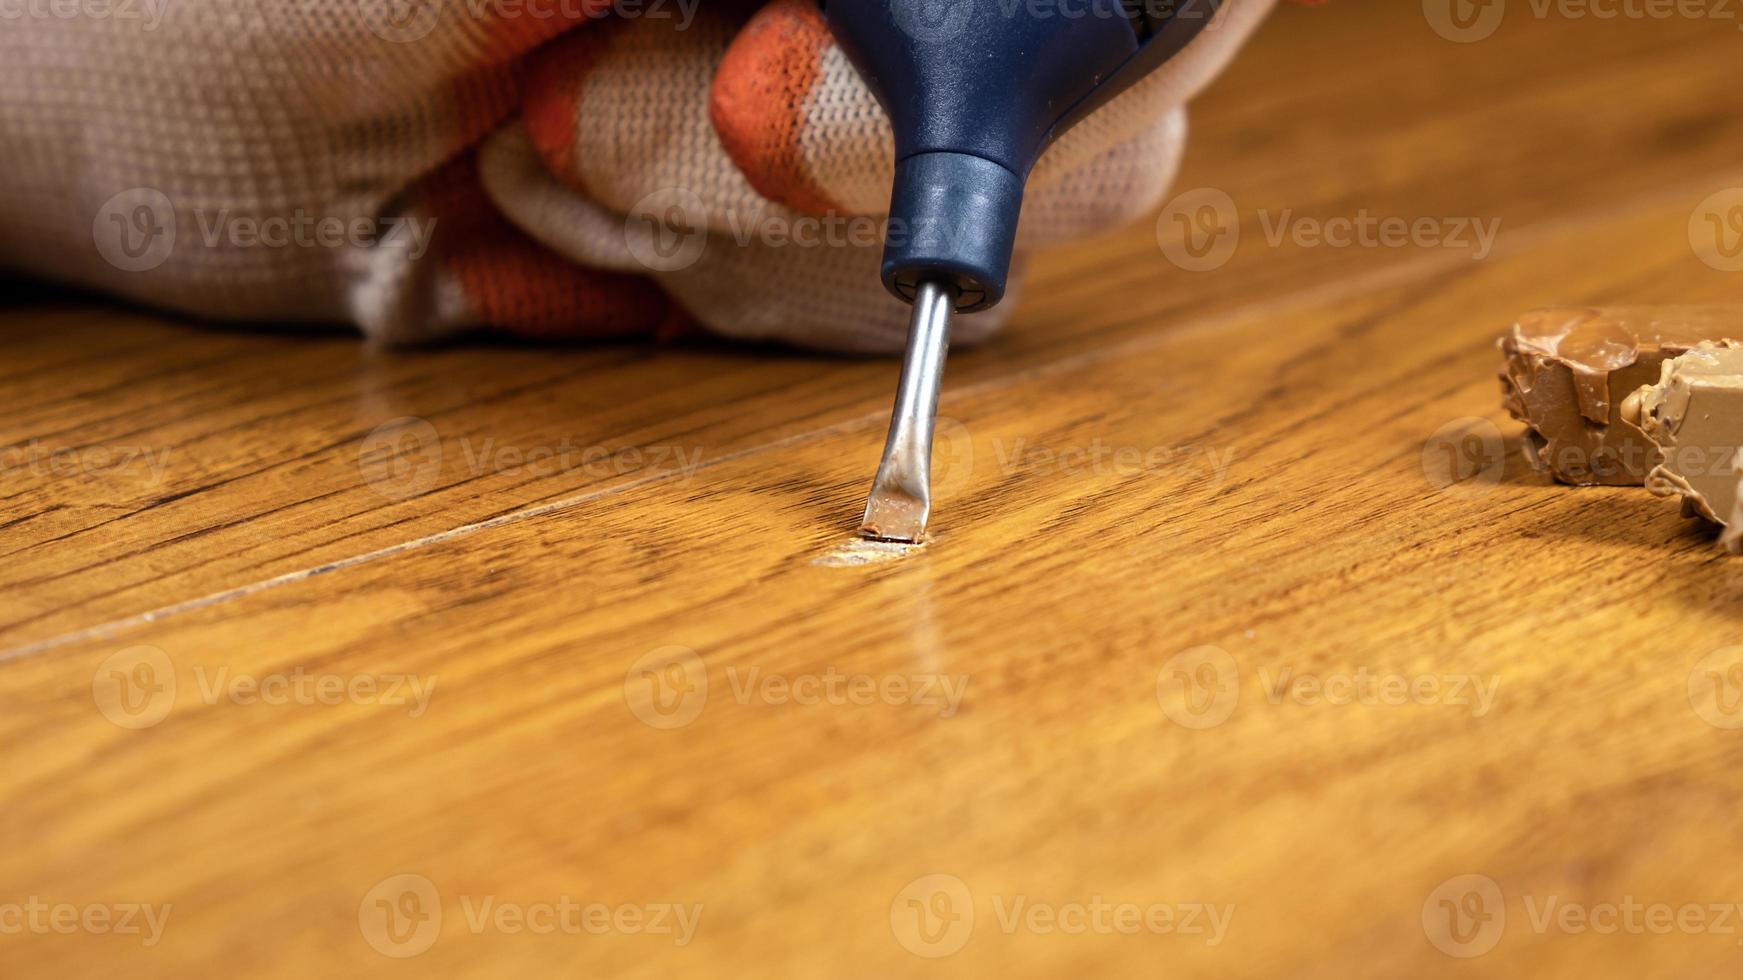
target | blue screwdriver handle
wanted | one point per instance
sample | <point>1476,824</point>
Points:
<point>975,91</point>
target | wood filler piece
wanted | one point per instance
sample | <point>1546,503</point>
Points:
<point>1568,370</point>
<point>1694,416</point>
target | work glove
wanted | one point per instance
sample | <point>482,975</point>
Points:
<point>553,168</point>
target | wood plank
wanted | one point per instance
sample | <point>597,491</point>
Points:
<point>260,438</point>
<point>1060,595</point>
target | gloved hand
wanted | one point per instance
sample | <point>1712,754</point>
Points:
<point>548,167</point>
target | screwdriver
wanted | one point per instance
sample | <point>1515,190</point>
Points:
<point>975,91</point>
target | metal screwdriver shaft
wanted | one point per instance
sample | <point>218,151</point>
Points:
<point>901,496</point>
<point>972,107</point>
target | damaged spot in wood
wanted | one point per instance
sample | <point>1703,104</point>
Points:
<point>864,551</point>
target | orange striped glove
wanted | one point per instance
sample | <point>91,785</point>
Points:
<point>554,168</point>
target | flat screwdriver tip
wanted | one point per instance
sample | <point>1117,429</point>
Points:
<point>893,514</point>
<point>901,497</point>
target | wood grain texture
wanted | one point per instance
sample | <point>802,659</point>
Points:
<point>1251,459</point>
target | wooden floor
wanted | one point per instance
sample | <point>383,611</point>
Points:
<point>1242,649</point>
